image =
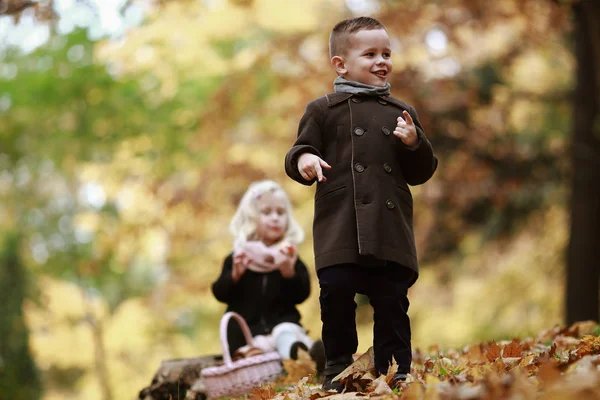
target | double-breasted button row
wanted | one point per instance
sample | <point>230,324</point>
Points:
<point>358,131</point>
<point>360,168</point>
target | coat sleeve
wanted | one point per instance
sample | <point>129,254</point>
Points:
<point>309,140</point>
<point>297,288</point>
<point>418,163</point>
<point>224,288</point>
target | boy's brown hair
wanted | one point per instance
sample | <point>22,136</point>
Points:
<point>338,40</point>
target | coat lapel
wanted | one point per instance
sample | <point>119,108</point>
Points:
<point>336,98</point>
<point>395,101</point>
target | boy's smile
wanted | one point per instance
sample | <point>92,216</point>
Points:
<point>367,59</point>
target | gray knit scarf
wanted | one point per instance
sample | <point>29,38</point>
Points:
<point>345,86</point>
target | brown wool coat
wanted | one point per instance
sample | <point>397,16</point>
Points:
<point>365,207</point>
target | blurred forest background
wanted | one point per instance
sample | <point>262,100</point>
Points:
<point>129,131</point>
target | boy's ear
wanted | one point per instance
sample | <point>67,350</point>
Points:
<point>339,65</point>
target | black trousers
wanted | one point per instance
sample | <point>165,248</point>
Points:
<point>386,286</point>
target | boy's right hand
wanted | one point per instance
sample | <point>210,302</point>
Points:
<point>311,166</point>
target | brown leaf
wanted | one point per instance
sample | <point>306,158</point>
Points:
<point>262,393</point>
<point>511,362</point>
<point>297,369</point>
<point>498,366</point>
<point>302,390</point>
<point>513,349</point>
<point>474,354</point>
<point>428,365</point>
<point>380,386</point>
<point>548,372</point>
<point>588,345</point>
<point>579,329</point>
<point>528,360</point>
<point>391,371</point>
<point>414,392</point>
<point>365,363</point>
<point>15,6</point>
<point>493,352</point>
<point>547,355</point>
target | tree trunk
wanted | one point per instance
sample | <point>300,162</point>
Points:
<point>100,362</point>
<point>100,359</point>
<point>583,255</point>
<point>19,376</point>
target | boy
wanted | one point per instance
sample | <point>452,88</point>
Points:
<point>364,148</point>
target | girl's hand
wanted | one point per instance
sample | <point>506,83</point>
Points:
<point>240,265</point>
<point>406,130</point>
<point>288,262</point>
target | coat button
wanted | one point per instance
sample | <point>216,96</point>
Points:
<point>382,101</point>
<point>387,168</point>
<point>358,167</point>
<point>386,131</point>
<point>359,131</point>
<point>356,99</point>
<point>389,204</point>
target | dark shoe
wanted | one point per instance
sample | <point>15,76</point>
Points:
<point>317,353</point>
<point>294,349</point>
<point>329,384</point>
<point>397,380</point>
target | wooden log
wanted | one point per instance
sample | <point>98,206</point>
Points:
<point>179,379</point>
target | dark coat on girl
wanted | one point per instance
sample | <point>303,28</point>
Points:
<point>263,299</point>
<point>365,207</point>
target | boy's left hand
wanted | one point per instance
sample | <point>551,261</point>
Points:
<point>406,130</point>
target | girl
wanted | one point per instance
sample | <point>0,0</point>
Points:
<point>263,279</point>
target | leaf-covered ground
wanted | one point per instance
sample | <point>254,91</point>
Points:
<point>560,363</point>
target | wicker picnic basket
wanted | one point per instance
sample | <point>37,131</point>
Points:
<point>235,378</point>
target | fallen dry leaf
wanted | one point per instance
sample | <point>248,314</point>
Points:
<point>560,363</point>
<point>380,386</point>
<point>359,367</point>
<point>513,349</point>
<point>492,352</point>
<point>297,369</point>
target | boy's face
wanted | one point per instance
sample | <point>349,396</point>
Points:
<point>367,59</point>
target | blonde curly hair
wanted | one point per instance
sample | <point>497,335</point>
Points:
<point>244,222</point>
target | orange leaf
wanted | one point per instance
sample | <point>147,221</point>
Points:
<point>493,352</point>
<point>262,393</point>
<point>513,349</point>
<point>498,366</point>
<point>414,392</point>
<point>548,372</point>
<point>589,345</point>
<point>474,354</point>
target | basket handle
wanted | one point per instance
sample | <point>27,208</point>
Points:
<point>223,330</point>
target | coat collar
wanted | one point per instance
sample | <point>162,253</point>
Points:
<point>338,97</point>
<point>395,101</point>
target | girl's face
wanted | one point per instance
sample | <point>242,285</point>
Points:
<point>272,218</point>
